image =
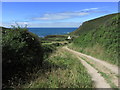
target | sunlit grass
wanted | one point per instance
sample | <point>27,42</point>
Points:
<point>96,51</point>
<point>66,72</point>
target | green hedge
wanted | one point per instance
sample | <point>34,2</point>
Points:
<point>22,52</point>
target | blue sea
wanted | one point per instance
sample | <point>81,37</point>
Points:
<point>42,32</point>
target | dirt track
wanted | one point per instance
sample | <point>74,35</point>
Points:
<point>94,65</point>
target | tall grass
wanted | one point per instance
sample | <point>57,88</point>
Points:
<point>96,51</point>
<point>64,71</point>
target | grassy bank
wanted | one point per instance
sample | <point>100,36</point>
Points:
<point>62,70</point>
<point>96,51</point>
<point>102,40</point>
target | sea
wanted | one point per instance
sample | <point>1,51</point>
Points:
<point>42,32</point>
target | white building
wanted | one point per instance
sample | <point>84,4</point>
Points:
<point>69,37</point>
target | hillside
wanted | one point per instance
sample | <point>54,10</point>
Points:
<point>45,63</point>
<point>92,24</point>
<point>99,38</point>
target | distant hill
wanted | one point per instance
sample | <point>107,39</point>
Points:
<point>92,24</point>
<point>99,37</point>
<point>2,27</point>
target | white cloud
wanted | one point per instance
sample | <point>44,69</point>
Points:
<point>0,23</point>
<point>90,9</point>
<point>22,23</point>
<point>94,10</point>
<point>9,24</point>
<point>68,15</point>
<point>55,24</point>
<point>19,23</point>
<point>60,16</point>
<point>45,24</point>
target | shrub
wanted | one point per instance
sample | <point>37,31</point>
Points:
<point>21,53</point>
<point>48,49</point>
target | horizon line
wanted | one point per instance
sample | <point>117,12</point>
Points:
<point>42,27</point>
<point>52,27</point>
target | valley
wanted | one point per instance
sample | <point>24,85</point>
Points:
<point>85,58</point>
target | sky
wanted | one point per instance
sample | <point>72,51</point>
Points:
<point>60,0</point>
<point>54,14</point>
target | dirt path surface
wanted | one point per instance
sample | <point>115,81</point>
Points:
<point>99,81</point>
<point>101,68</point>
<point>100,65</point>
<point>113,68</point>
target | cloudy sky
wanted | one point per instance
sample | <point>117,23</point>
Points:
<point>54,14</point>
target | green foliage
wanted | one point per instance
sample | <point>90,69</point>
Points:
<point>105,35</point>
<point>21,53</point>
<point>48,49</point>
<point>53,41</point>
<point>55,38</point>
